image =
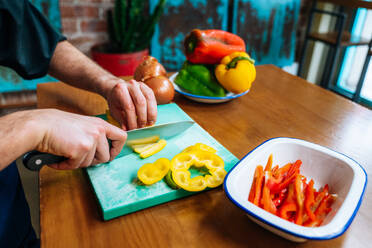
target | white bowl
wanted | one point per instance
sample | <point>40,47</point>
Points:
<point>204,99</point>
<point>344,176</point>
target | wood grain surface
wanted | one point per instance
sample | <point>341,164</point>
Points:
<point>278,104</point>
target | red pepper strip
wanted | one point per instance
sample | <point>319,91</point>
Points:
<point>287,210</point>
<point>300,197</point>
<point>210,46</point>
<point>284,169</point>
<point>323,208</point>
<point>320,212</point>
<point>309,200</point>
<point>266,201</point>
<point>275,171</point>
<point>256,189</point>
<point>320,196</point>
<point>253,186</point>
<point>278,199</point>
<point>276,185</point>
<point>269,163</point>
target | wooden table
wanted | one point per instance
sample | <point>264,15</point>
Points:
<point>278,104</point>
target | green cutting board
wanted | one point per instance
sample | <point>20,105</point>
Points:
<point>116,185</point>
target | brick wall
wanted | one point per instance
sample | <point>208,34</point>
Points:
<point>84,22</point>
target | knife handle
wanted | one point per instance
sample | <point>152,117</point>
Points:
<point>34,160</point>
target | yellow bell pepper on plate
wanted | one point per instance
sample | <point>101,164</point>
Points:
<point>236,72</point>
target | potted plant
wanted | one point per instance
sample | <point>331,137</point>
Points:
<point>130,30</point>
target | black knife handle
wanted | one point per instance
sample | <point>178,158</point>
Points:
<point>34,160</point>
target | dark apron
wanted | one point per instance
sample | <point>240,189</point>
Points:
<point>15,221</point>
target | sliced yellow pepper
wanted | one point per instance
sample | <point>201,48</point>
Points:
<point>200,146</point>
<point>140,148</point>
<point>182,162</point>
<point>151,173</point>
<point>154,148</point>
<point>147,140</point>
<point>236,72</point>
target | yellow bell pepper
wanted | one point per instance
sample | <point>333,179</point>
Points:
<point>200,146</point>
<point>147,140</point>
<point>181,163</point>
<point>153,172</point>
<point>153,148</point>
<point>236,72</point>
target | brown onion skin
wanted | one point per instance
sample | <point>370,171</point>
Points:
<point>162,87</point>
<point>150,67</point>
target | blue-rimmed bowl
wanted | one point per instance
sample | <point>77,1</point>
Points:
<point>345,177</point>
<point>204,99</point>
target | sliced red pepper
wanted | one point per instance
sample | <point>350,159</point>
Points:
<point>269,163</point>
<point>319,196</point>
<point>275,171</point>
<point>283,170</point>
<point>279,198</point>
<point>323,208</point>
<point>210,46</point>
<point>310,200</point>
<point>256,189</point>
<point>300,197</point>
<point>282,182</point>
<point>287,210</point>
<point>266,201</point>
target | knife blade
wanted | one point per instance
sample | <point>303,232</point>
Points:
<point>35,160</point>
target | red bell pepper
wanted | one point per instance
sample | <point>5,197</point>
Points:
<point>324,207</point>
<point>286,193</point>
<point>283,180</point>
<point>300,197</point>
<point>269,163</point>
<point>279,198</point>
<point>275,171</point>
<point>310,200</point>
<point>256,188</point>
<point>266,201</point>
<point>288,210</point>
<point>289,204</point>
<point>210,46</point>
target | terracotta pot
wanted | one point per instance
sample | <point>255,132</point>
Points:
<point>119,64</point>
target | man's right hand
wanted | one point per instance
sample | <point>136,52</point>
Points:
<point>81,139</point>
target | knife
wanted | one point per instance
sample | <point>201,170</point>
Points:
<point>35,160</point>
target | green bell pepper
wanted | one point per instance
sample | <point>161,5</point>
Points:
<point>199,80</point>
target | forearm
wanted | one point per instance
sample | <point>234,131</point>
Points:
<point>19,134</point>
<point>72,67</point>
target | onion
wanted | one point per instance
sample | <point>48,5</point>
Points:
<point>162,87</point>
<point>149,67</point>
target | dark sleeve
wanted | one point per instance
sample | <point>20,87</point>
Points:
<point>27,40</point>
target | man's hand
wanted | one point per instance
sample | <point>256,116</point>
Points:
<point>132,104</point>
<point>81,139</point>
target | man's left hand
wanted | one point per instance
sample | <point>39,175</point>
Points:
<point>132,104</point>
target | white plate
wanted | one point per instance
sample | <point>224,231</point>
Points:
<point>204,99</point>
<point>344,176</point>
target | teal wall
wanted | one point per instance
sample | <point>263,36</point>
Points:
<point>9,80</point>
<point>267,26</point>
